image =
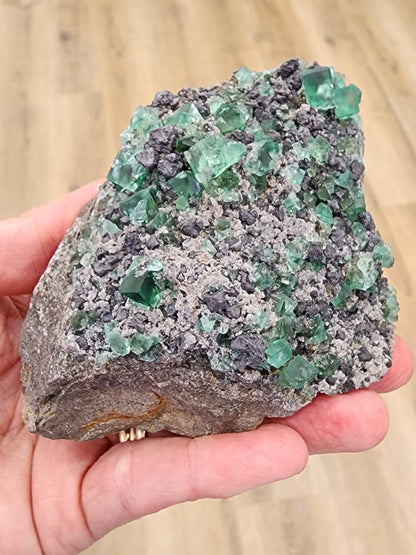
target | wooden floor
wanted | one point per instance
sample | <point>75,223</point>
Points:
<point>71,72</point>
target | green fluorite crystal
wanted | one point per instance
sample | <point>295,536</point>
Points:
<point>185,116</point>
<point>262,157</point>
<point>283,304</point>
<point>347,100</point>
<point>391,306</point>
<point>319,333</point>
<point>324,213</point>
<point>327,364</point>
<point>246,76</point>
<point>211,156</point>
<point>182,204</point>
<point>140,344</point>
<point>319,148</point>
<point>382,252</point>
<point>362,272</point>
<point>145,118</point>
<point>342,296</point>
<point>119,345</point>
<point>278,353</point>
<point>222,229</point>
<point>292,203</point>
<point>81,320</point>
<point>263,278</point>
<point>297,373</point>
<point>295,251</point>
<point>206,323</point>
<point>140,207</point>
<point>109,227</point>
<point>261,320</point>
<point>229,116</point>
<point>141,288</point>
<point>319,87</point>
<point>325,89</point>
<point>126,172</point>
<point>184,184</point>
<point>294,174</point>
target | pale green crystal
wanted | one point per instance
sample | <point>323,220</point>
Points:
<point>361,272</point>
<point>108,227</point>
<point>319,87</point>
<point>347,100</point>
<point>185,116</point>
<point>278,353</point>
<point>140,344</point>
<point>261,320</point>
<point>222,229</point>
<point>246,76</point>
<point>327,364</point>
<point>119,345</point>
<point>182,204</point>
<point>319,148</point>
<point>382,252</point>
<point>297,373</point>
<point>126,172</point>
<point>211,156</point>
<point>262,157</point>
<point>140,207</point>
<point>229,116</point>
<point>206,323</point>
<point>294,174</point>
<point>292,203</point>
<point>324,213</point>
<point>391,306</point>
<point>283,304</point>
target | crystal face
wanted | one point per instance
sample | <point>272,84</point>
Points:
<point>262,157</point>
<point>347,100</point>
<point>211,156</point>
<point>141,288</point>
<point>297,373</point>
<point>278,353</point>
<point>319,87</point>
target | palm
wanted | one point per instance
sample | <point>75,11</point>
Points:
<point>59,496</point>
<point>44,477</point>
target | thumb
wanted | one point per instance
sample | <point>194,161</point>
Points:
<point>28,241</point>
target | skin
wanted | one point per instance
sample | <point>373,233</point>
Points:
<point>60,496</point>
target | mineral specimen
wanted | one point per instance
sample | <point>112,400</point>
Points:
<point>227,271</point>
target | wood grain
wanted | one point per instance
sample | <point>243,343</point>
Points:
<point>72,71</point>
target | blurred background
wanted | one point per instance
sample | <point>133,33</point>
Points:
<point>71,73</point>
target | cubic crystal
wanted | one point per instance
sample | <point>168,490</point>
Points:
<point>319,87</point>
<point>279,352</point>
<point>211,156</point>
<point>262,157</point>
<point>298,372</point>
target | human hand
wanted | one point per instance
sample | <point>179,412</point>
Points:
<point>59,496</point>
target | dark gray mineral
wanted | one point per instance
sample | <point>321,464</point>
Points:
<point>227,271</point>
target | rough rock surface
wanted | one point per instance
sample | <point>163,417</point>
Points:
<point>227,271</point>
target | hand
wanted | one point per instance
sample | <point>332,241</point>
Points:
<point>60,496</point>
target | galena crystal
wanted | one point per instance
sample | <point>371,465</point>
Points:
<point>228,270</point>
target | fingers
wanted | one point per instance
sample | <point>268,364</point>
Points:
<point>28,242</point>
<point>354,421</point>
<point>401,369</point>
<point>142,477</point>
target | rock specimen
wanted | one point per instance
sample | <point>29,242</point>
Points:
<point>228,269</point>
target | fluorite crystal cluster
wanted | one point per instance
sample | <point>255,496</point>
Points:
<point>227,271</point>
